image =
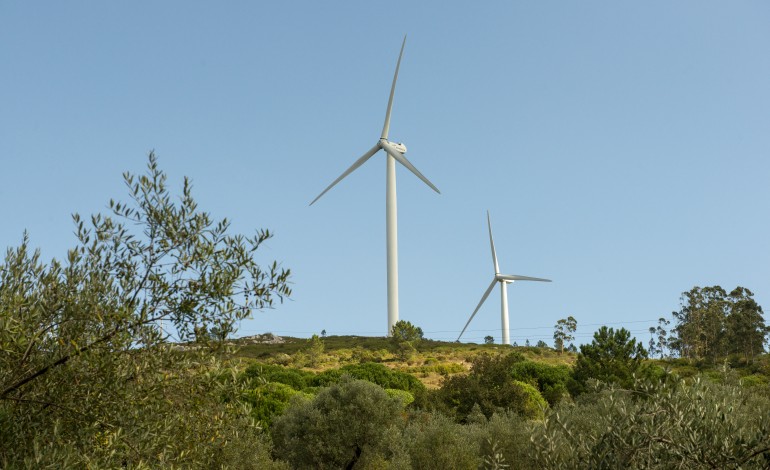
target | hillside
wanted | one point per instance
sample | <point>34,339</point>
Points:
<point>429,362</point>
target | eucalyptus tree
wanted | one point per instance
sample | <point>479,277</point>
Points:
<point>712,323</point>
<point>564,332</point>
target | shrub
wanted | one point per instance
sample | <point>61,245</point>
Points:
<point>754,380</point>
<point>531,404</point>
<point>436,442</point>
<point>258,373</point>
<point>551,381</point>
<point>270,400</point>
<point>403,396</point>
<point>372,372</point>
<point>490,386</point>
<point>660,426</point>
<point>343,424</point>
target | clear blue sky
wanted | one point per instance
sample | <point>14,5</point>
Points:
<point>621,147</point>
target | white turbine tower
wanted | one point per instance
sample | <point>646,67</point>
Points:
<point>394,152</point>
<point>504,280</point>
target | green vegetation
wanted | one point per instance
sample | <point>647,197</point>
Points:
<point>564,332</point>
<point>88,380</point>
<point>405,337</point>
<point>86,377</point>
<point>343,424</point>
<point>613,357</point>
<point>712,324</point>
<point>668,424</point>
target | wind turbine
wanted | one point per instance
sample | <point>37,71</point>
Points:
<point>394,152</point>
<point>504,280</point>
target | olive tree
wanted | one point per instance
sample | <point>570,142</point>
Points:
<point>83,357</point>
<point>658,425</point>
<point>344,424</point>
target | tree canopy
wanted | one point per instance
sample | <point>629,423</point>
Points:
<point>712,323</point>
<point>81,339</point>
<point>612,357</point>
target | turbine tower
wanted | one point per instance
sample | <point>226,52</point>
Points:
<point>504,280</point>
<point>394,152</point>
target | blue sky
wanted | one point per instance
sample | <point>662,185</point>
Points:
<point>621,147</point>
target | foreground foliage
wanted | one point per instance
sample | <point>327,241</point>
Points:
<point>343,424</point>
<point>85,376</point>
<point>654,425</point>
<point>673,425</point>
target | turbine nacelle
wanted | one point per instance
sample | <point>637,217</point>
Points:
<point>396,145</point>
<point>393,149</point>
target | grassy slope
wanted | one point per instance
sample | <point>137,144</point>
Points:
<point>431,361</point>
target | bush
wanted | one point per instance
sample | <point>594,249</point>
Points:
<point>754,380</point>
<point>490,386</point>
<point>658,426</point>
<point>343,424</point>
<point>436,442</point>
<point>372,372</point>
<point>531,404</point>
<point>258,373</point>
<point>403,396</point>
<point>551,381</point>
<point>270,400</point>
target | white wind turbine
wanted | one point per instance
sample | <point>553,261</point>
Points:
<point>504,280</point>
<point>394,151</point>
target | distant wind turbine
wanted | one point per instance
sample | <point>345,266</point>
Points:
<point>504,280</point>
<point>394,152</point>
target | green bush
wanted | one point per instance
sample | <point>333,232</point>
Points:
<point>295,378</point>
<point>435,442</point>
<point>403,396</point>
<point>372,372</point>
<point>490,386</point>
<point>446,368</point>
<point>270,400</point>
<point>342,425</point>
<point>754,380</point>
<point>658,426</point>
<point>532,404</point>
<point>551,381</point>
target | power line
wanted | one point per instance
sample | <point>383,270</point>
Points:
<point>445,334</point>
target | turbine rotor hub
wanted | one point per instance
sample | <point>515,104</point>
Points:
<point>398,145</point>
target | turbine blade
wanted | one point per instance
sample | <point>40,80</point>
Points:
<point>386,126</point>
<point>483,298</point>
<point>402,160</point>
<point>350,170</point>
<point>492,244</point>
<point>516,277</point>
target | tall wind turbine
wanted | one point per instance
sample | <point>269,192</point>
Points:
<point>394,152</point>
<point>504,280</point>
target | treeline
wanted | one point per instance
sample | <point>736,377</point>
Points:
<point>713,324</point>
